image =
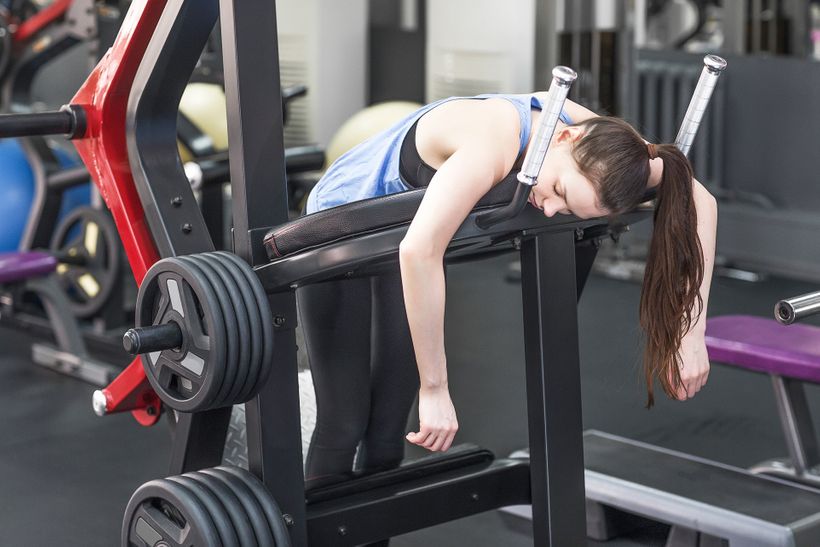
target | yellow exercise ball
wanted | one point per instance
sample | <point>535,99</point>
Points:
<point>204,105</point>
<point>366,123</point>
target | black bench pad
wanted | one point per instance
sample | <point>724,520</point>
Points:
<point>359,218</point>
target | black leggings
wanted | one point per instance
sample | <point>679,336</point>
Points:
<point>364,372</point>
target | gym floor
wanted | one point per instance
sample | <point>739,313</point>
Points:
<point>66,475</point>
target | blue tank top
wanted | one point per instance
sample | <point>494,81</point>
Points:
<point>371,169</point>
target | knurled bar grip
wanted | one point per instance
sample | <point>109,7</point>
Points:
<point>792,309</point>
<point>562,79</point>
<point>713,67</point>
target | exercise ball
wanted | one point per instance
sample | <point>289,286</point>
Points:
<point>17,189</point>
<point>366,123</point>
<point>204,105</point>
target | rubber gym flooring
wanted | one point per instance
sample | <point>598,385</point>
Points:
<point>66,475</point>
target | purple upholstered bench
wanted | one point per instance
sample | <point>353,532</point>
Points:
<point>30,271</point>
<point>25,265</point>
<point>791,356</point>
<point>764,345</point>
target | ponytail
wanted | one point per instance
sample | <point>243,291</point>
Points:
<point>615,159</point>
<point>670,299</point>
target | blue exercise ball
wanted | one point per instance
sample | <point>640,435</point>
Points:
<point>17,191</point>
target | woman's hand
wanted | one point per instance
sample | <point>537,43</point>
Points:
<point>437,420</point>
<point>694,368</point>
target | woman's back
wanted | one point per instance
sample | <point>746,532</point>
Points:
<point>371,169</point>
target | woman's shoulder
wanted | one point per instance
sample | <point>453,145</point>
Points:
<point>457,123</point>
<point>467,114</point>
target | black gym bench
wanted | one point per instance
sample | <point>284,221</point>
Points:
<point>193,287</point>
<point>707,503</point>
<point>344,242</point>
<point>697,496</point>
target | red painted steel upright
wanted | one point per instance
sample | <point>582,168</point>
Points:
<point>104,98</point>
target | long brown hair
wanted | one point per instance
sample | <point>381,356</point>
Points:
<point>615,158</point>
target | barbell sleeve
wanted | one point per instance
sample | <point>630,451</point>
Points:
<point>562,79</point>
<point>712,69</point>
<point>793,309</point>
<point>150,339</point>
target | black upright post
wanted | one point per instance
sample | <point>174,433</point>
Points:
<point>254,98</point>
<point>212,203</point>
<point>259,192</point>
<point>585,254</point>
<point>199,440</point>
<point>553,389</point>
<point>176,222</point>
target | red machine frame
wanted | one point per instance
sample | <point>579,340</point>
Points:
<point>104,99</point>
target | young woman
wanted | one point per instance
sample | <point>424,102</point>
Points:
<point>374,343</point>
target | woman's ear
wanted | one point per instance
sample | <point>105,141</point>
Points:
<point>569,134</point>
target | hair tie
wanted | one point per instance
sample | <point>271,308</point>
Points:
<point>652,149</point>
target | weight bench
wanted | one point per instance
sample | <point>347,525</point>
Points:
<point>343,242</point>
<point>791,356</point>
<point>708,504</point>
<point>22,272</point>
<point>362,238</point>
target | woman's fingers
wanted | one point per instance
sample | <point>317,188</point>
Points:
<point>418,438</point>
<point>431,440</point>
<point>435,440</point>
<point>443,441</point>
<point>446,439</point>
<point>690,386</point>
<point>440,440</point>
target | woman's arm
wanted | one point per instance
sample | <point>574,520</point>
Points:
<point>694,358</point>
<point>484,155</point>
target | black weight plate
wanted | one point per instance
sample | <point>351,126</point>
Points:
<point>216,510</point>
<point>269,506</point>
<point>265,318</point>
<point>88,236</point>
<point>253,337</point>
<point>187,378</point>
<point>239,294</point>
<point>263,325</point>
<point>248,500</point>
<point>241,523</point>
<point>161,510</point>
<point>231,364</point>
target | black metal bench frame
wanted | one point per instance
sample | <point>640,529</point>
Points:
<point>554,480</point>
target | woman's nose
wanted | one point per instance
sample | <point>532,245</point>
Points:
<point>551,207</point>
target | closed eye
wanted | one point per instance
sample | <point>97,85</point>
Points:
<point>558,190</point>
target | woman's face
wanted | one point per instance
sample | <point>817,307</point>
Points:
<point>561,187</point>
